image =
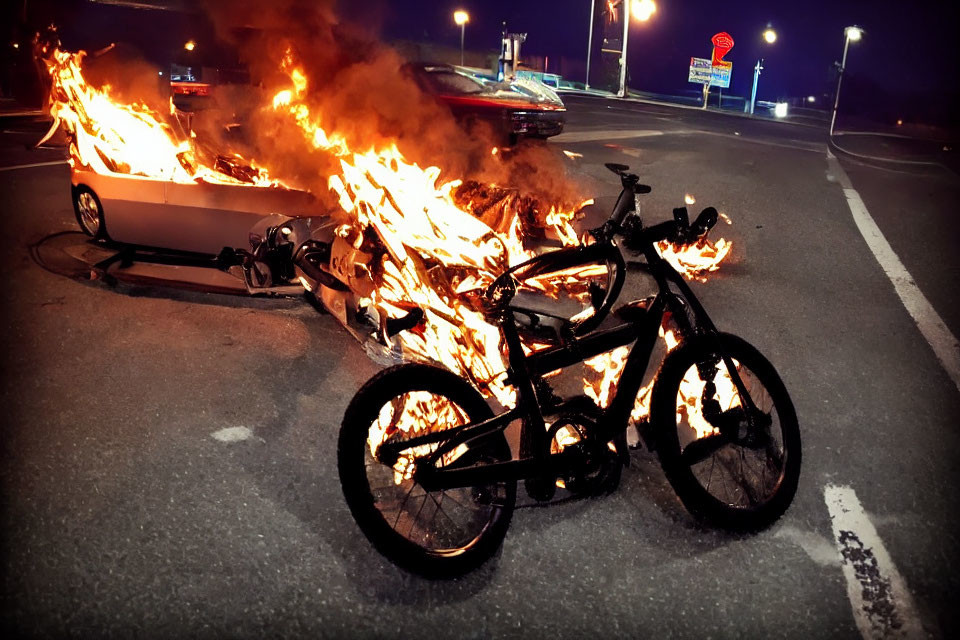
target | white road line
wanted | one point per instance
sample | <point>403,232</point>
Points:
<point>931,325</point>
<point>625,134</point>
<point>232,434</point>
<point>609,134</point>
<point>882,605</point>
<point>35,164</point>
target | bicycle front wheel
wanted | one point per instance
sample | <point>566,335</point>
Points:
<point>733,463</point>
<point>434,533</point>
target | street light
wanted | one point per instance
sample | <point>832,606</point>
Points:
<point>850,34</point>
<point>461,17</point>
<point>770,36</point>
<point>642,10</point>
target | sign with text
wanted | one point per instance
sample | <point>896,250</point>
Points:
<point>720,74</point>
<point>701,71</point>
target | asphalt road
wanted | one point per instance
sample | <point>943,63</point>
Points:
<point>124,515</point>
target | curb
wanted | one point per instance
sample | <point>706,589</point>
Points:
<point>660,103</point>
<point>831,142</point>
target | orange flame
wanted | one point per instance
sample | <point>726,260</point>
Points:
<point>108,137</point>
<point>438,254</point>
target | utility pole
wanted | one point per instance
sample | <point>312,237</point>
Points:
<point>593,6</point>
<point>850,33</point>
<point>756,76</point>
<point>623,52</point>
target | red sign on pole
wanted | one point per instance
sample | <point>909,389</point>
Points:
<point>722,43</point>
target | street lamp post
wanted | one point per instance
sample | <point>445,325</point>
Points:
<point>461,18</point>
<point>854,34</point>
<point>593,5</point>
<point>770,36</point>
<point>642,10</point>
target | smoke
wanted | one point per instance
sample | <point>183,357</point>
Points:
<point>357,84</point>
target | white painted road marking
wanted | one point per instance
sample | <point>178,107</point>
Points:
<point>608,134</point>
<point>882,605</point>
<point>931,325</point>
<point>35,164</point>
<point>232,434</point>
<point>626,134</point>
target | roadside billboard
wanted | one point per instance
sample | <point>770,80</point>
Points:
<point>702,71</point>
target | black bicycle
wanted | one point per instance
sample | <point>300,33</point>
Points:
<point>426,467</point>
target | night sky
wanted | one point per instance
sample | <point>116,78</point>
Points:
<point>902,63</point>
<point>909,47</point>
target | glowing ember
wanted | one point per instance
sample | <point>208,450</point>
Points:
<point>689,199</point>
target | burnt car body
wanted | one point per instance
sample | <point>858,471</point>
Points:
<point>521,108</point>
<point>226,237</point>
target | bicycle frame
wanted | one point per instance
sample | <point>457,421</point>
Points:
<point>524,370</point>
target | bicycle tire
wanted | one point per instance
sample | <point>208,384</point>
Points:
<point>687,473</point>
<point>356,462</point>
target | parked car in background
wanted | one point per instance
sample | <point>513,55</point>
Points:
<point>517,109</point>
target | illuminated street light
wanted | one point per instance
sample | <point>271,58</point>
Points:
<point>461,18</point>
<point>851,34</point>
<point>642,10</point>
<point>770,36</point>
<point>190,45</point>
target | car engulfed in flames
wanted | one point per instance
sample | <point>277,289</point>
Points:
<point>401,264</point>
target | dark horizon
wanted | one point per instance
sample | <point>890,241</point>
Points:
<point>896,70</point>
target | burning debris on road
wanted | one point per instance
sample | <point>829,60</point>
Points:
<point>405,234</point>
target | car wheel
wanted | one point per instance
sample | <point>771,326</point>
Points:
<point>89,212</point>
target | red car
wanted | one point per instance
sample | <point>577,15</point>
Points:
<point>521,108</point>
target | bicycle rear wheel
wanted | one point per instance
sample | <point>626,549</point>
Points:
<point>730,467</point>
<point>434,533</point>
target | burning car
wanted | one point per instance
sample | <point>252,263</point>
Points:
<point>514,109</point>
<point>403,247</point>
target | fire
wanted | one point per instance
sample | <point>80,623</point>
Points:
<point>436,253</point>
<point>406,417</point>
<point>113,138</point>
<point>695,260</point>
<point>610,365</point>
